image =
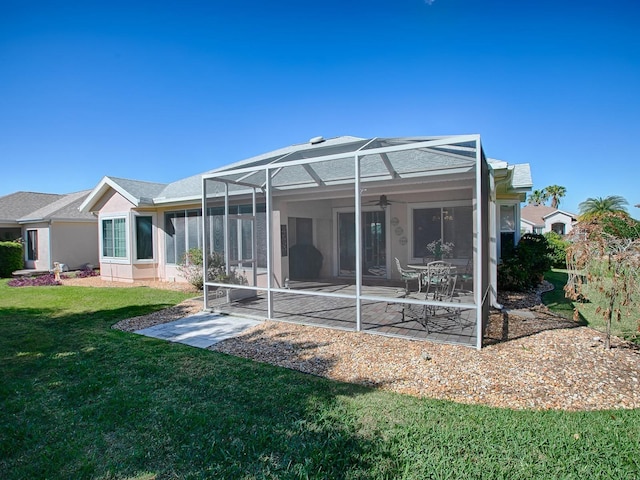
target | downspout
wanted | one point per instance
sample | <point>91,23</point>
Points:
<point>50,247</point>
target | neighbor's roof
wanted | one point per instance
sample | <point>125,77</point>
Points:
<point>64,208</point>
<point>29,207</point>
<point>16,205</point>
<point>536,214</point>
<point>455,153</point>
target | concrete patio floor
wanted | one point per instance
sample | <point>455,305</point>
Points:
<point>382,318</point>
<point>200,330</point>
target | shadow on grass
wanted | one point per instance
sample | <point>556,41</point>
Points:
<point>81,400</point>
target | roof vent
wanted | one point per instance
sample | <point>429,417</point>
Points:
<point>316,140</point>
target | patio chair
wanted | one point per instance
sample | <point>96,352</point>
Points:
<point>465,277</point>
<point>440,284</point>
<point>407,275</point>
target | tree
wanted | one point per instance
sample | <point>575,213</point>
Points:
<point>598,206</point>
<point>537,197</point>
<point>609,267</point>
<point>555,192</point>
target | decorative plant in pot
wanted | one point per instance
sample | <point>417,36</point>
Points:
<point>439,249</point>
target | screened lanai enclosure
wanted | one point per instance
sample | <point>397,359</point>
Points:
<point>347,233</point>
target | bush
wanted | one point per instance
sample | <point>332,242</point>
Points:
<point>524,269</point>
<point>11,255</point>
<point>620,226</point>
<point>557,249</point>
<point>191,266</point>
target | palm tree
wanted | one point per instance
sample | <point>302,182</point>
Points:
<point>555,192</point>
<point>537,197</point>
<point>597,207</point>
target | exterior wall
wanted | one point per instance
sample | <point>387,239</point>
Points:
<point>526,227</point>
<point>324,214</point>
<point>558,217</point>
<point>74,243</point>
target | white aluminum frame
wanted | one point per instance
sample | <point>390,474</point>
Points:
<point>480,289</point>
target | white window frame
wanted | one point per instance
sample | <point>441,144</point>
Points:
<point>516,221</point>
<point>186,231</point>
<point>107,259</point>
<point>134,237</point>
<point>28,245</point>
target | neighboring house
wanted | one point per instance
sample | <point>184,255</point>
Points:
<point>542,219</point>
<point>258,211</point>
<point>51,227</point>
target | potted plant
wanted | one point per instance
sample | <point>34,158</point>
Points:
<point>439,249</point>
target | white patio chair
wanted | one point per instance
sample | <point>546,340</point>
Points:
<point>407,275</point>
<point>440,285</point>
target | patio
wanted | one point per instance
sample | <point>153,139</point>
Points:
<point>307,304</point>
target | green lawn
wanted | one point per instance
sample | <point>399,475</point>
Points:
<point>81,400</point>
<point>626,328</point>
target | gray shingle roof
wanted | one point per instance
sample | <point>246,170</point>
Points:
<point>23,207</point>
<point>145,192</point>
<point>16,205</point>
<point>64,208</point>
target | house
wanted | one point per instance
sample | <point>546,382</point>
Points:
<point>355,204</point>
<point>542,219</point>
<point>52,228</point>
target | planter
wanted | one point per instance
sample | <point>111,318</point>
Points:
<point>235,294</point>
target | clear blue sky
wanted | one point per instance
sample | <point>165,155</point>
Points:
<point>159,91</point>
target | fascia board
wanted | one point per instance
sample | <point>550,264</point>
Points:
<point>103,187</point>
<point>556,212</point>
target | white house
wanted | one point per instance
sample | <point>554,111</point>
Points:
<point>542,219</point>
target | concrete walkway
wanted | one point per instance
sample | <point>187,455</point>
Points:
<point>200,330</point>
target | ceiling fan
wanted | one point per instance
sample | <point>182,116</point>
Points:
<point>383,202</point>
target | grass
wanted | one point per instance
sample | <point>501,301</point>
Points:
<point>626,328</point>
<point>81,400</point>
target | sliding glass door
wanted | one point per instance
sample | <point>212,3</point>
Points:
<point>374,244</point>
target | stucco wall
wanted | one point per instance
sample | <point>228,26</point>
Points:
<point>74,243</point>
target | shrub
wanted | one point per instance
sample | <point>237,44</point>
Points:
<point>47,280</point>
<point>191,266</point>
<point>620,226</point>
<point>557,249</point>
<point>87,271</point>
<point>11,254</point>
<point>525,267</point>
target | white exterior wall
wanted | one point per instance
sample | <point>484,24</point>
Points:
<point>558,217</point>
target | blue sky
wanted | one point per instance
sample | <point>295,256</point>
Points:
<point>159,91</point>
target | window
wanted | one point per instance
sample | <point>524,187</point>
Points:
<point>114,237</point>
<point>507,229</point>
<point>144,238</point>
<point>32,245</point>
<point>559,228</point>
<point>449,224</point>
<point>242,227</point>
<point>183,232</point>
